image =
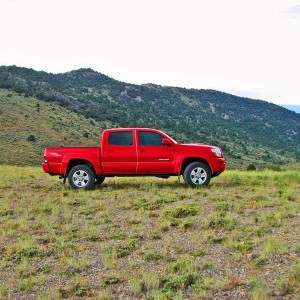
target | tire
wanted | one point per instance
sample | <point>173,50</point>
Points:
<point>99,180</point>
<point>197,174</point>
<point>81,177</point>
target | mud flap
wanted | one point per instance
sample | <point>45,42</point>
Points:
<point>65,178</point>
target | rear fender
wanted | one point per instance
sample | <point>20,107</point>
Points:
<point>86,159</point>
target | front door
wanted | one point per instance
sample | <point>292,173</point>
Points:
<point>153,157</point>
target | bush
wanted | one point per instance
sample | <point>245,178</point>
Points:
<point>251,167</point>
<point>31,138</point>
<point>181,211</point>
<point>274,168</point>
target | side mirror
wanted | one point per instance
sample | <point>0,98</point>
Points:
<point>166,142</point>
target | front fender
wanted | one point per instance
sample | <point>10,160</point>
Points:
<point>185,160</point>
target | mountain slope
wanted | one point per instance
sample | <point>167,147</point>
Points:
<point>248,130</point>
<point>29,125</point>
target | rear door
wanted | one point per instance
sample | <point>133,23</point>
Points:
<point>119,155</point>
<point>153,157</point>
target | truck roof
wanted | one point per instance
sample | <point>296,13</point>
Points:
<point>142,128</point>
<point>132,128</point>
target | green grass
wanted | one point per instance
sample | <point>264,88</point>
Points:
<point>149,238</point>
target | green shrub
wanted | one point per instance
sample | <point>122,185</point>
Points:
<point>152,256</point>
<point>31,138</point>
<point>182,266</point>
<point>25,285</point>
<point>244,246</point>
<point>251,167</point>
<point>198,253</point>
<point>274,167</point>
<point>110,280</point>
<point>222,222</point>
<point>121,251</point>
<point>181,282</point>
<point>26,252</point>
<point>181,211</point>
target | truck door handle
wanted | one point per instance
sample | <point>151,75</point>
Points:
<point>142,150</point>
<point>109,151</point>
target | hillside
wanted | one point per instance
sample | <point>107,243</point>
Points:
<point>249,131</point>
<point>29,125</point>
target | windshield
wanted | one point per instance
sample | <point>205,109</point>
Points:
<point>175,142</point>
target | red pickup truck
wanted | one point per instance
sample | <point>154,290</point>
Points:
<point>134,152</point>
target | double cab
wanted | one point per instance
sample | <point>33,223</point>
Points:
<point>134,152</point>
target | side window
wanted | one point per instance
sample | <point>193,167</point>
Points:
<point>150,139</point>
<point>123,138</point>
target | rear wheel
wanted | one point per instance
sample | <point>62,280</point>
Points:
<point>81,177</point>
<point>197,174</point>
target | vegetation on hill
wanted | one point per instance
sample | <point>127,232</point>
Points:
<point>29,125</point>
<point>249,131</point>
<point>149,238</point>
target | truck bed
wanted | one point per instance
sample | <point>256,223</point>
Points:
<point>60,156</point>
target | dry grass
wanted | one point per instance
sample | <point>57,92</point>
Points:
<point>150,238</point>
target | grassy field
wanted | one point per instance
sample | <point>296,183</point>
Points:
<point>149,238</point>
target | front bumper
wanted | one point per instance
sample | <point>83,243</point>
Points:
<point>218,165</point>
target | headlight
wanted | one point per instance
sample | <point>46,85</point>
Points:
<point>216,151</point>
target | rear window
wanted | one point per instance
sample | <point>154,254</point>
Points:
<point>124,138</point>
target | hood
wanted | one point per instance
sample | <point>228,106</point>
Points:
<point>202,145</point>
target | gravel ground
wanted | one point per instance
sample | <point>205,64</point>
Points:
<point>137,238</point>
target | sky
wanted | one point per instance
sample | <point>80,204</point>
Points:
<point>248,48</point>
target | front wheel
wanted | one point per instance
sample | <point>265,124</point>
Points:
<point>81,177</point>
<point>197,174</point>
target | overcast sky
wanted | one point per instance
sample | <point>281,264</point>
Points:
<point>244,47</point>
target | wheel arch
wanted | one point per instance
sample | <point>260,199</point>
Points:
<point>190,160</point>
<point>74,162</point>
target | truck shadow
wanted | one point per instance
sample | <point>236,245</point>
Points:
<point>139,186</point>
<point>147,186</point>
